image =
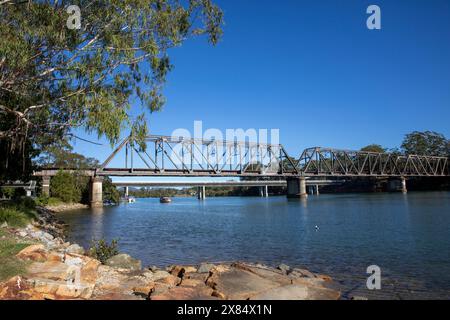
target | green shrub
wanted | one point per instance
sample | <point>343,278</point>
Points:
<point>42,200</point>
<point>25,203</point>
<point>13,217</point>
<point>102,251</point>
<point>47,201</point>
<point>64,186</point>
<point>7,192</point>
<point>53,201</point>
<point>110,192</point>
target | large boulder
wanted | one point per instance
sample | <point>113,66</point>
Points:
<point>205,267</point>
<point>185,293</point>
<point>238,284</point>
<point>35,252</point>
<point>297,292</point>
<point>124,261</point>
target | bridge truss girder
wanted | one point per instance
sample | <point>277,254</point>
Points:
<point>335,162</point>
<point>178,156</point>
<point>181,156</point>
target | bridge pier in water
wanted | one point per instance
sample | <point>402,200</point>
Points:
<point>264,191</point>
<point>201,193</point>
<point>314,190</point>
<point>397,185</point>
<point>296,188</point>
<point>96,192</point>
<point>404,190</point>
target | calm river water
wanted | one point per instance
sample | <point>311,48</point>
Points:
<point>407,236</point>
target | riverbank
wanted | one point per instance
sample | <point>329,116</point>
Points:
<point>52,268</point>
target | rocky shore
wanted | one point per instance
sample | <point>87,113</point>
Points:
<point>66,207</point>
<point>61,270</point>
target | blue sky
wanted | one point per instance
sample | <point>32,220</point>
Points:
<point>314,71</point>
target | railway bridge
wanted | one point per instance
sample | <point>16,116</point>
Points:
<point>165,156</point>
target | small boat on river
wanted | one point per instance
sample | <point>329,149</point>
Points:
<point>165,200</point>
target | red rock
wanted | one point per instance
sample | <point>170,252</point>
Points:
<point>177,271</point>
<point>170,280</point>
<point>52,270</point>
<point>185,293</point>
<point>297,292</point>
<point>239,284</point>
<point>196,276</point>
<point>35,252</point>
<point>324,277</point>
<point>265,272</point>
<point>144,290</point>
<point>191,283</point>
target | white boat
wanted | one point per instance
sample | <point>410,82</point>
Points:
<point>165,200</point>
<point>131,199</point>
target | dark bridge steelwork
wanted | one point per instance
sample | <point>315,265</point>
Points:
<point>333,162</point>
<point>178,156</point>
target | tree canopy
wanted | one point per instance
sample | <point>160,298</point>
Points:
<point>426,143</point>
<point>54,78</point>
<point>374,148</point>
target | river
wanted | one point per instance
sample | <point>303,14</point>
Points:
<point>407,236</point>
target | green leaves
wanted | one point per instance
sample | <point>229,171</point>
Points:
<point>64,187</point>
<point>426,143</point>
<point>52,78</point>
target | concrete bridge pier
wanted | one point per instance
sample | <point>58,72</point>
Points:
<point>46,186</point>
<point>96,192</point>
<point>201,193</point>
<point>395,185</point>
<point>126,192</point>
<point>296,188</point>
<point>264,191</point>
<point>404,189</point>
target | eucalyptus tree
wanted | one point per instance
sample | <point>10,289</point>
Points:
<point>62,68</point>
<point>426,143</point>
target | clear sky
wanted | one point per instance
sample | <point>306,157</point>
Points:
<point>314,71</point>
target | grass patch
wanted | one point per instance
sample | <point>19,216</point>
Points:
<point>10,266</point>
<point>13,217</point>
<point>54,201</point>
<point>48,201</point>
<point>18,213</point>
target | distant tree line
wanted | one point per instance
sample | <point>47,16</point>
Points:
<point>418,143</point>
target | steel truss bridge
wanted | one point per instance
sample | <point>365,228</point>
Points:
<point>183,157</point>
